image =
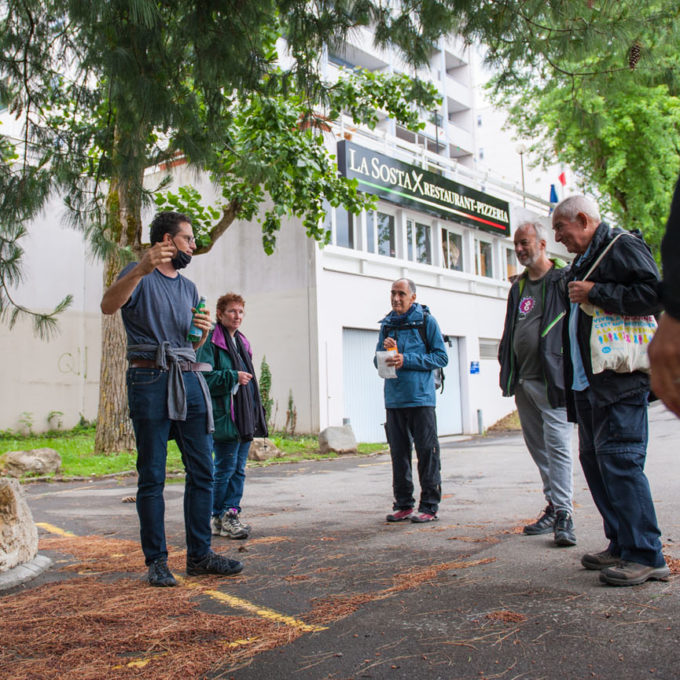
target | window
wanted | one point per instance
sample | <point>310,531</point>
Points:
<point>370,232</point>
<point>419,242</point>
<point>452,248</point>
<point>511,263</point>
<point>386,237</point>
<point>484,258</point>
<point>344,228</point>
<point>479,121</point>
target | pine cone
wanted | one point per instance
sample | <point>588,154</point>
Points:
<point>634,54</point>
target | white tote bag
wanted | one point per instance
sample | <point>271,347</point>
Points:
<point>618,343</point>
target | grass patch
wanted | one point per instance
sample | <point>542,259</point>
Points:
<point>509,423</point>
<point>78,460</point>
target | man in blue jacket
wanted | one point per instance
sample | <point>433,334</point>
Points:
<point>530,354</point>
<point>417,349</point>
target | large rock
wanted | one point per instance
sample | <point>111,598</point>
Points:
<point>18,533</point>
<point>263,449</point>
<point>35,462</point>
<point>337,439</point>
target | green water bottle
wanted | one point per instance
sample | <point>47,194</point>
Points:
<point>195,333</point>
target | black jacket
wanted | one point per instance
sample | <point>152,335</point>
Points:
<point>670,256</point>
<point>627,283</point>
<point>550,341</point>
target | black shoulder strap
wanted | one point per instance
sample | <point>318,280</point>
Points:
<point>423,331</point>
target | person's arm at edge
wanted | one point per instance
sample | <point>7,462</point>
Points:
<point>664,350</point>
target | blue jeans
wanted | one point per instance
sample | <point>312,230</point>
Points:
<point>147,390</point>
<point>417,425</point>
<point>612,449</point>
<point>230,475</point>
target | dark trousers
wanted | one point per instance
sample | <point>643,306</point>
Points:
<point>612,450</point>
<point>404,427</point>
<point>147,390</point>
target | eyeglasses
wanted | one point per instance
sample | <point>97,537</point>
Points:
<point>189,239</point>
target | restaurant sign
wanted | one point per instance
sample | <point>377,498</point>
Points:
<point>409,185</point>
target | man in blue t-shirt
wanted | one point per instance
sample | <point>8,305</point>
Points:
<point>167,394</point>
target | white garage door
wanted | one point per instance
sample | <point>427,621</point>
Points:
<point>449,408</point>
<point>363,389</point>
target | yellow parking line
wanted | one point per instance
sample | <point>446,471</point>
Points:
<point>54,530</point>
<point>231,600</point>
<point>263,612</point>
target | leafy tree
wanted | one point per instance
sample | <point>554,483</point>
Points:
<point>607,106</point>
<point>105,90</point>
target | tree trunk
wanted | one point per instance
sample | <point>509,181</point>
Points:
<point>124,227</point>
<point>114,428</point>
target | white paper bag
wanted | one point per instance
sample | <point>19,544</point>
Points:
<point>385,371</point>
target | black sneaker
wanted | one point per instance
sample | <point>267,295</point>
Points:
<point>212,563</point>
<point>564,528</point>
<point>545,524</point>
<point>159,574</point>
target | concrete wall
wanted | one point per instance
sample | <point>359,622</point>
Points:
<point>38,376</point>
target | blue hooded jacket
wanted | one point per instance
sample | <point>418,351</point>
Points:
<point>414,384</point>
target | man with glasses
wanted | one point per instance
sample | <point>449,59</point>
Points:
<point>167,394</point>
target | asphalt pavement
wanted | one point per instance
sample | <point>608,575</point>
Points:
<point>466,597</point>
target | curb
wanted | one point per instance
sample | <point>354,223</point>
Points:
<point>24,572</point>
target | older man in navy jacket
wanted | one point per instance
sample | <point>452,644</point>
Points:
<point>417,347</point>
<point>610,407</point>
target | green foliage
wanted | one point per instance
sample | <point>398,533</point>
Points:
<point>187,200</point>
<point>106,90</point>
<point>607,110</point>
<point>26,423</point>
<point>265,385</point>
<point>277,151</point>
<point>55,416</point>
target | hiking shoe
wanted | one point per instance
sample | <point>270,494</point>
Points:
<point>212,563</point>
<point>627,573</point>
<point>216,525</point>
<point>243,524</point>
<point>232,527</point>
<point>598,561</point>
<point>400,515</point>
<point>545,524</point>
<point>564,528</point>
<point>159,575</point>
<point>423,517</point>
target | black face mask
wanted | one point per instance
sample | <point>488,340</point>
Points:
<point>180,260</point>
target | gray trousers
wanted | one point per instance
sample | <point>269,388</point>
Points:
<point>547,435</point>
